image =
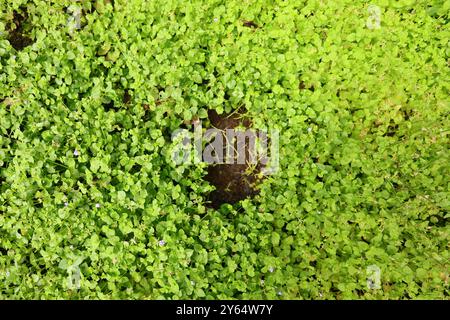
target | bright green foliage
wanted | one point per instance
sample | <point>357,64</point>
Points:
<point>363,115</point>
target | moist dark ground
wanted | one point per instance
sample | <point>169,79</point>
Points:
<point>17,37</point>
<point>233,182</point>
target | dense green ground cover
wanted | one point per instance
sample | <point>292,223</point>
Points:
<point>86,117</point>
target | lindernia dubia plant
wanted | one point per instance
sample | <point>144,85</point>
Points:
<point>345,186</point>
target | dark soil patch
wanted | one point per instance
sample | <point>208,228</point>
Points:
<point>250,24</point>
<point>17,33</point>
<point>302,86</point>
<point>126,97</point>
<point>233,182</point>
<point>228,121</point>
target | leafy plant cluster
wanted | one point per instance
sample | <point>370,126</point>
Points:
<point>86,181</point>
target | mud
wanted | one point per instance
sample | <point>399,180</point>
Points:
<point>17,33</point>
<point>233,182</point>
